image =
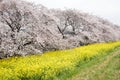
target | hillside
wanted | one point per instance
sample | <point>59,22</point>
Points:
<point>51,66</point>
<point>26,28</point>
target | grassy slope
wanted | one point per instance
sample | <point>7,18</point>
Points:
<point>104,68</point>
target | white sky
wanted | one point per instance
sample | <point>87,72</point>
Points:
<point>107,9</point>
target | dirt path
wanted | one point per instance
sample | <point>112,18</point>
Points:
<point>105,70</point>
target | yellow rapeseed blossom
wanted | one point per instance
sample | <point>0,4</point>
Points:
<point>51,64</point>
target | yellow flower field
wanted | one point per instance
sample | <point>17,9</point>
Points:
<point>51,64</point>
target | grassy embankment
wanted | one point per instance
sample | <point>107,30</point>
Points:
<point>106,67</point>
<point>57,65</point>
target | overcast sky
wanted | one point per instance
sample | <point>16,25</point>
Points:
<point>107,9</point>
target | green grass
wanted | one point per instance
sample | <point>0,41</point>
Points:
<point>56,65</point>
<point>106,67</point>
